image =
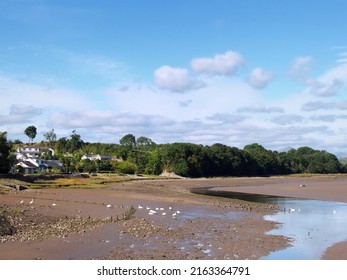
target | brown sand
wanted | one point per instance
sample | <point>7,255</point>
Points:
<point>205,228</point>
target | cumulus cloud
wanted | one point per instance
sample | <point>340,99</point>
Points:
<point>326,85</point>
<point>288,119</point>
<point>325,89</point>
<point>260,109</point>
<point>301,68</point>
<point>330,118</point>
<point>226,118</point>
<point>97,118</point>
<point>221,64</point>
<point>20,114</point>
<point>175,79</point>
<point>320,105</point>
<point>260,78</point>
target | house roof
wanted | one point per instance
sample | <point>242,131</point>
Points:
<point>27,164</point>
<point>54,163</point>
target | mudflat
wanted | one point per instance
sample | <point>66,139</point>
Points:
<point>155,219</point>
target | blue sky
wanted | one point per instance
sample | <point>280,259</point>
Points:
<point>232,72</point>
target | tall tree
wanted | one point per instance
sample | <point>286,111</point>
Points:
<point>50,136</point>
<point>31,132</point>
<point>4,153</point>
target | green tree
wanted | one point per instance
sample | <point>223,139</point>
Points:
<point>50,136</point>
<point>127,144</point>
<point>31,132</point>
<point>4,153</point>
<point>75,142</point>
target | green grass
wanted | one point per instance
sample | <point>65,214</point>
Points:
<point>99,181</point>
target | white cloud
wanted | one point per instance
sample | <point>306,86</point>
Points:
<point>221,64</point>
<point>325,88</point>
<point>226,118</point>
<point>301,68</point>
<point>328,84</point>
<point>175,79</point>
<point>288,119</point>
<point>98,118</point>
<point>260,78</point>
<point>260,109</point>
<point>20,114</point>
<point>320,105</point>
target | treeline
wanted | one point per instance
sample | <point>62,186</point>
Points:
<point>143,156</point>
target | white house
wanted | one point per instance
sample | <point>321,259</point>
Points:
<point>33,151</point>
<point>31,165</point>
<point>96,157</point>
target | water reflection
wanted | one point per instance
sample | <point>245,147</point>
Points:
<point>312,224</point>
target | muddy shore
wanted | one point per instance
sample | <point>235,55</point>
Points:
<point>155,219</point>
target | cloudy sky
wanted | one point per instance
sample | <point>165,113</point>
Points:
<point>229,71</point>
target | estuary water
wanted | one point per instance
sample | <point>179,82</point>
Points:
<point>312,225</point>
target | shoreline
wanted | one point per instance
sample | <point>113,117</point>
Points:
<point>221,228</point>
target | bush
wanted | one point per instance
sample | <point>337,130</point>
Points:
<point>125,167</point>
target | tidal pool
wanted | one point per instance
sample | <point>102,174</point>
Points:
<point>312,225</point>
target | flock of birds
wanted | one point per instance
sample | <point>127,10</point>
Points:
<point>32,202</point>
<point>160,211</point>
<point>157,210</point>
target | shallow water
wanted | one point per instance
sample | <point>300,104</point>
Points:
<point>312,225</point>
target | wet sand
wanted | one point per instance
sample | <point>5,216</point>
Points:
<point>90,223</point>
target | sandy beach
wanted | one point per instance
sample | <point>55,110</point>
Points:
<point>156,219</point>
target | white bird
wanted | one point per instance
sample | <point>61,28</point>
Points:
<point>22,201</point>
<point>108,205</point>
<point>31,201</point>
<point>140,207</point>
<point>174,214</point>
<point>53,204</point>
<point>178,212</point>
<point>334,211</point>
<point>170,208</point>
<point>161,209</point>
<point>163,213</point>
<point>148,208</point>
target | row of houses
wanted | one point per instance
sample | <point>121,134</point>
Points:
<point>28,159</point>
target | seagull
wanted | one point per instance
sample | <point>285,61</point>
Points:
<point>161,209</point>
<point>163,213</point>
<point>53,204</point>
<point>178,212</point>
<point>22,201</point>
<point>31,201</point>
<point>108,205</point>
<point>148,208</point>
<point>174,214</point>
<point>140,207</point>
